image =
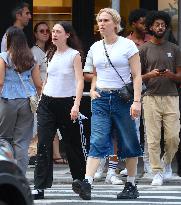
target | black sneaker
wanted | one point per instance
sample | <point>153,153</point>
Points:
<point>32,160</point>
<point>82,188</point>
<point>38,194</point>
<point>129,192</point>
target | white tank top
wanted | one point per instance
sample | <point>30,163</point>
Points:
<point>61,75</point>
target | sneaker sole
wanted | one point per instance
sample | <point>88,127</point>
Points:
<point>37,197</point>
<point>85,197</point>
<point>128,197</point>
<point>133,197</point>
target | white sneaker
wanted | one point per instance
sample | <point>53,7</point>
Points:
<point>157,179</point>
<point>100,171</point>
<point>147,168</point>
<point>113,179</point>
<point>167,174</point>
<point>124,172</point>
<point>98,175</point>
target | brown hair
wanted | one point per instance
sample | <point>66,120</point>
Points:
<point>21,55</point>
<point>73,41</point>
<point>48,43</point>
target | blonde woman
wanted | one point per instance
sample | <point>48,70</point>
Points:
<point>108,109</point>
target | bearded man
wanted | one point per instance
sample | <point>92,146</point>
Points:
<point>161,71</point>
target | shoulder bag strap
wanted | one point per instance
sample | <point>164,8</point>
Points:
<point>27,93</point>
<point>111,62</point>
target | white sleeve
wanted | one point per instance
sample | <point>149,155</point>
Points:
<point>132,49</point>
<point>88,68</point>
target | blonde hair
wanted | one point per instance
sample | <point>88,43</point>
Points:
<point>115,17</point>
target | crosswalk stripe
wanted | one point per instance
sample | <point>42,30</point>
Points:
<point>104,202</point>
<point>106,194</point>
<point>111,191</point>
<point>113,196</point>
<point>164,187</point>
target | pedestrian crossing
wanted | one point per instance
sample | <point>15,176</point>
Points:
<point>106,194</point>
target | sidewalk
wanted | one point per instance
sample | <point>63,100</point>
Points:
<point>62,175</point>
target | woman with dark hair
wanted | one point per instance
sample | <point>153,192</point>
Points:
<point>17,67</point>
<point>42,41</point>
<point>59,108</point>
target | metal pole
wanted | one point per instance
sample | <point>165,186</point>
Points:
<point>116,5</point>
<point>179,23</point>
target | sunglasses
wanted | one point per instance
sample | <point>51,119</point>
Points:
<point>42,31</point>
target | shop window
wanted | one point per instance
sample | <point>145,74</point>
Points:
<point>52,11</point>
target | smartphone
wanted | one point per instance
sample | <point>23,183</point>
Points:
<point>162,70</point>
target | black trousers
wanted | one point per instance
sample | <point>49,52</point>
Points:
<point>54,113</point>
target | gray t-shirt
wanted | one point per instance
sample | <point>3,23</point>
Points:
<point>163,56</point>
<point>40,57</point>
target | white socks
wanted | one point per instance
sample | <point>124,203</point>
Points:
<point>89,178</point>
<point>131,180</point>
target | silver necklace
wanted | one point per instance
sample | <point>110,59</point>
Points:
<point>109,48</point>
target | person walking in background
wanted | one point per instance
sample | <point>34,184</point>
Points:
<point>139,36</point>
<point>42,42</point>
<point>21,16</point>
<point>59,108</point>
<point>161,70</point>
<point>42,39</point>
<point>16,118</point>
<point>108,109</point>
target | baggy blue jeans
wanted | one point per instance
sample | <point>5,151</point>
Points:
<point>110,111</point>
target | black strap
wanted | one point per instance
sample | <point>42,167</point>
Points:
<point>111,62</point>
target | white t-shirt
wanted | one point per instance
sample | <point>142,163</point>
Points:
<point>61,80</point>
<point>40,57</point>
<point>119,53</point>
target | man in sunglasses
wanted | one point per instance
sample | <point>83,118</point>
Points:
<point>21,16</point>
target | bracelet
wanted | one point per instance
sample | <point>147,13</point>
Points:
<point>137,101</point>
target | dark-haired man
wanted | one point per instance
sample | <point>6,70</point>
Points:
<point>161,70</point>
<point>139,36</point>
<point>137,23</point>
<point>21,16</point>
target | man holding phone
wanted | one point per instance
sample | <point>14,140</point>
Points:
<point>161,70</point>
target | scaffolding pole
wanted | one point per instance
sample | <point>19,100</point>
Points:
<point>116,5</point>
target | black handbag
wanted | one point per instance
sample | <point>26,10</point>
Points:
<point>126,93</point>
